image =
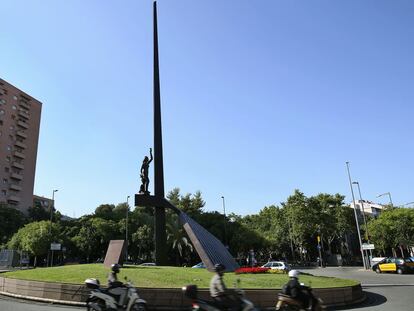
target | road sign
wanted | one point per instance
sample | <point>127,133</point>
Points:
<point>366,246</point>
<point>55,246</point>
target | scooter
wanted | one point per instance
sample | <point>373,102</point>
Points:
<point>287,303</point>
<point>121,297</point>
<point>199,304</point>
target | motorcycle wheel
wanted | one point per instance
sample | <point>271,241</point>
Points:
<point>139,307</point>
<point>95,301</point>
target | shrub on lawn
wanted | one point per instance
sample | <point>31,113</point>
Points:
<point>251,270</point>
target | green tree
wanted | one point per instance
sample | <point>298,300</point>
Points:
<point>143,239</point>
<point>394,228</point>
<point>35,238</point>
<point>177,238</point>
<point>11,220</point>
<point>105,211</point>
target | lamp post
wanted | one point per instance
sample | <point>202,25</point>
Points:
<point>363,216</point>
<point>52,207</point>
<point>363,210</point>
<point>126,230</point>
<point>224,221</point>
<point>356,217</point>
<point>389,196</point>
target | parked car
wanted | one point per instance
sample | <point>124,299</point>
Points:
<point>375,260</point>
<point>200,265</point>
<point>278,265</point>
<point>394,264</point>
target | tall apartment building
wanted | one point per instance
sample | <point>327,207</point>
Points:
<point>19,135</point>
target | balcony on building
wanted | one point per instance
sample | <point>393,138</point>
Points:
<point>24,104</point>
<point>13,198</point>
<point>21,134</point>
<point>20,144</point>
<point>18,165</point>
<point>23,124</point>
<point>19,155</point>
<point>16,176</point>
<point>24,115</point>
<point>15,187</point>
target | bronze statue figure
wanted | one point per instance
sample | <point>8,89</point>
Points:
<point>144,174</point>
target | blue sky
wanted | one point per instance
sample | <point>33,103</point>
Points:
<point>258,97</point>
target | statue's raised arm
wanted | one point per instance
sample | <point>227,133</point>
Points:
<point>151,157</point>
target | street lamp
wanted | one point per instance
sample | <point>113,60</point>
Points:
<point>389,195</point>
<point>356,217</point>
<point>52,207</point>
<point>363,214</point>
<point>224,221</point>
<point>363,210</point>
<point>126,230</point>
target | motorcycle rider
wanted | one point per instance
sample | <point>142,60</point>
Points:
<point>297,291</point>
<point>223,297</point>
<point>116,287</point>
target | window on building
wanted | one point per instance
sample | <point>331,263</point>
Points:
<point>5,180</point>
<point>2,101</point>
<point>8,158</point>
<point>4,192</point>
<point>14,97</point>
<point>7,169</point>
<point>14,107</point>
<point>9,148</point>
<point>2,112</point>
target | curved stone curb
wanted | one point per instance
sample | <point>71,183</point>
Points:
<point>164,298</point>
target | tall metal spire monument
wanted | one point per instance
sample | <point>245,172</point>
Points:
<point>208,247</point>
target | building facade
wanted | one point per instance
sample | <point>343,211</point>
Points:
<point>19,135</point>
<point>368,207</point>
<point>43,202</point>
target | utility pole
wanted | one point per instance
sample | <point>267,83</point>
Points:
<point>356,217</point>
<point>52,207</point>
<point>224,222</point>
<point>126,230</point>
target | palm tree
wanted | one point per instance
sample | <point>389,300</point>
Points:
<point>178,239</point>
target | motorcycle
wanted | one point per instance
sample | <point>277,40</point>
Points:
<point>287,303</point>
<point>118,297</point>
<point>199,304</point>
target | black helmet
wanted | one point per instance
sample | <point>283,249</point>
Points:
<point>115,268</point>
<point>218,267</point>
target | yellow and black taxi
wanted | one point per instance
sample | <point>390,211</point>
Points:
<point>394,264</point>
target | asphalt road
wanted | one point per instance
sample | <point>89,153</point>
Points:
<point>384,292</point>
<point>11,304</point>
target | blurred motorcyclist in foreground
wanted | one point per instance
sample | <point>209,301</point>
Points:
<point>298,291</point>
<point>225,298</point>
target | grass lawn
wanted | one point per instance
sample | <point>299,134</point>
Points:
<point>168,277</point>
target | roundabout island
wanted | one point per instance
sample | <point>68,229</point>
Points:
<point>161,286</point>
